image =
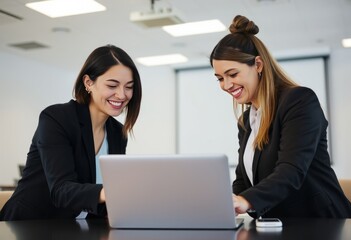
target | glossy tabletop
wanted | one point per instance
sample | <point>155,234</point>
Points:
<point>98,229</point>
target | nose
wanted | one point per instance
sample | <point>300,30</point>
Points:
<point>227,84</point>
<point>120,93</point>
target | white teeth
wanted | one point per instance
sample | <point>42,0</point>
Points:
<point>117,104</point>
<point>236,91</point>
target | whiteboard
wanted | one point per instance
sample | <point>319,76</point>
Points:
<point>205,118</point>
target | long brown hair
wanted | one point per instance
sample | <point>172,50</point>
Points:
<point>241,45</point>
<point>97,63</point>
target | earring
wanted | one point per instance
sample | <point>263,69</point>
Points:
<point>88,91</point>
<point>259,75</point>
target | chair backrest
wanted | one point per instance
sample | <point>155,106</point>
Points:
<point>346,187</point>
<point>4,196</point>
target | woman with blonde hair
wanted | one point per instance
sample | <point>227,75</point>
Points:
<point>284,166</point>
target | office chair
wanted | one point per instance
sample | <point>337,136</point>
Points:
<point>4,196</point>
<point>346,187</point>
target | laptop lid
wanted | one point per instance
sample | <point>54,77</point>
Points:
<point>168,191</point>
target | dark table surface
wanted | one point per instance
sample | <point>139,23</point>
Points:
<point>98,229</point>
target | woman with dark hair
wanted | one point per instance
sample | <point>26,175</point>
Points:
<point>284,166</point>
<point>61,178</point>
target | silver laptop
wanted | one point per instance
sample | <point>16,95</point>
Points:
<point>168,191</point>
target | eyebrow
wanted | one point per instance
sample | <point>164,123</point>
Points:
<point>115,80</point>
<point>230,69</point>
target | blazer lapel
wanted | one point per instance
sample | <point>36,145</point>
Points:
<point>87,136</point>
<point>242,149</point>
<point>257,153</point>
<point>257,156</point>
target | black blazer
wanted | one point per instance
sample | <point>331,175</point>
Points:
<point>292,174</point>
<point>59,178</point>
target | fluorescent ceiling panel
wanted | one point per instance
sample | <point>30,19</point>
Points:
<point>346,42</point>
<point>62,8</point>
<point>162,59</point>
<point>193,28</point>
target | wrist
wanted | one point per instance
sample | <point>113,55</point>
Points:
<point>246,203</point>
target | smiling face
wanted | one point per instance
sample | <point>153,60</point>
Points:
<point>238,79</point>
<point>111,91</point>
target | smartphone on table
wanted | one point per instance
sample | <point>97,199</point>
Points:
<point>268,222</point>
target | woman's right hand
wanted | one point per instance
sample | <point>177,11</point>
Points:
<point>241,205</point>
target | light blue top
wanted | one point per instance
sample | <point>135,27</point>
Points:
<point>103,151</point>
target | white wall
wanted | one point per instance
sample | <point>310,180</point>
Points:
<point>154,131</point>
<point>28,86</point>
<point>340,110</point>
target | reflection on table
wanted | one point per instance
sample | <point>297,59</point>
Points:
<point>98,229</point>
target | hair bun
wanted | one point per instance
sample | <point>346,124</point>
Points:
<point>241,24</point>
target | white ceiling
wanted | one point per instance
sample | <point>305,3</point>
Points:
<point>284,24</point>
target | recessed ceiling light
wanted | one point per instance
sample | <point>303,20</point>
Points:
<point>162,59</point>
<point>28,45</point>
<point>346,42</point>
<point>60,30</point>
<point>193,28</point>
<point>61,8</point>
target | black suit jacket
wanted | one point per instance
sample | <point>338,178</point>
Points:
<point>59,178</point>
<point>292,175</point>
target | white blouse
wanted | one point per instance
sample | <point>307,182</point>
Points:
<point>255,120</point>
